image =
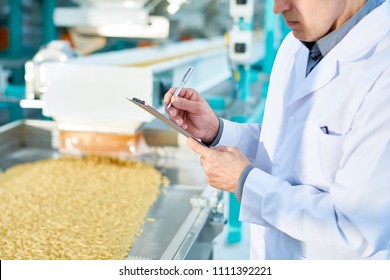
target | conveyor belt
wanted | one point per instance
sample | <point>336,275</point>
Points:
<point>177,224</point>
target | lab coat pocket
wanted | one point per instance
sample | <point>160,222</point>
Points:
<point>318,155</point>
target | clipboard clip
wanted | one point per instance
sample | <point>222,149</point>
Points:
<point>135,99</point>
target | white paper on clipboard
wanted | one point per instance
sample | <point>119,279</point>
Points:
<point>157,114</point>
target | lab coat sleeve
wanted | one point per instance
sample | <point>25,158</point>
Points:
<point>356,211</point>
<point>243,136</point>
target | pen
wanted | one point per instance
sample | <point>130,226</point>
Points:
<point>324,129</point>
<point>183,82</point>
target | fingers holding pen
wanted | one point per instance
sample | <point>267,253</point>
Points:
<point>187,99</point>
<point>172,111</point>
<point>184,104</point>
<point>168,96</point>
<point>168,99</point>
<point>180,106</point>
<point>190,111</point>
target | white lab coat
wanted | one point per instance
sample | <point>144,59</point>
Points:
<point>314,195</point>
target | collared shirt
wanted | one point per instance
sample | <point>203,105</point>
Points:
<point>320,48</point>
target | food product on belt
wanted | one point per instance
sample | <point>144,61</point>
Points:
<point>74,208</point>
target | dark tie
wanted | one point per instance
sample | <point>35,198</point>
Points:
<point>315,57</point>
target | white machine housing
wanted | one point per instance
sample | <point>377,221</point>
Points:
<point>241,34</point>
<point>241,8</point>
<point>118,18</point>
<point>89,93</point>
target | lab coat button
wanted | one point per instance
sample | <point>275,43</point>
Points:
<point>291,120</point>
<point>275,170</point>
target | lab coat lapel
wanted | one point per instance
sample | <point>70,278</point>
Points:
<point>321,75</point>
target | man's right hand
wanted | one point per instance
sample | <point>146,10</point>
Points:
<point>191,112</point>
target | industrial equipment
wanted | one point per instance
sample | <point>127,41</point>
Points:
<point>89,92</point>
<point>118,18</point>
<point>188,215</point>
<point>84,96</point>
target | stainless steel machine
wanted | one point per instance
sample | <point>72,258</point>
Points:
<point>188,215</point>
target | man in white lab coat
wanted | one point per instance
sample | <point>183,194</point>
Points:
<point>314,179</point>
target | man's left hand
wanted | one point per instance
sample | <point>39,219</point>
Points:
<point>223,165</point>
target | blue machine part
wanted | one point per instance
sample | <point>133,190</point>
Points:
<point>49,30</point>
<point>16,54</point>
<point>275,30</point>
<point>15,23</point>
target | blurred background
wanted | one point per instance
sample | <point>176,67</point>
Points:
<point>66,67</point>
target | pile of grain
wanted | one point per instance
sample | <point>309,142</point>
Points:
<point>74,208</point>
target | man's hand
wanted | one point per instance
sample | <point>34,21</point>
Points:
<point>191,112</point>
<point>223,165</point>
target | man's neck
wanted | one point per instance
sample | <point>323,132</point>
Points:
<point>351,8</point>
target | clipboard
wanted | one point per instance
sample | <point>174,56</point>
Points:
<point>142,104</point>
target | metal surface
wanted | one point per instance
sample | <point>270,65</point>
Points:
<point>178,224</point>
<point>171,211</point>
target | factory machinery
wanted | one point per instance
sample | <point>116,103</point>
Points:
<point>84,97</point>
<point>188,215</point>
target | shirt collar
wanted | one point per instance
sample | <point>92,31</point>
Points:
<point>329,41</point>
